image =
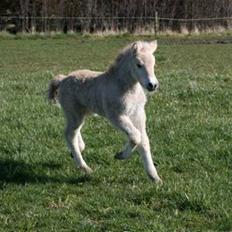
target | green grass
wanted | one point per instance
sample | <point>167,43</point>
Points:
<point>189,125</point>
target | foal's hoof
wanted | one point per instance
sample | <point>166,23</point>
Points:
<point>119,156</point>
<point>156,179</point>
<point>87,170</point>
<point>159,182</point>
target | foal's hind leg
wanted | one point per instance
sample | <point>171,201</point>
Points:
<point>72,134</point>
<point>80,140</point>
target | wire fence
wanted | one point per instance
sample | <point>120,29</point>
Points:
<point>156,24</point>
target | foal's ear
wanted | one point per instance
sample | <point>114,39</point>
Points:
<point>153,45</point>
<point>136,46</point>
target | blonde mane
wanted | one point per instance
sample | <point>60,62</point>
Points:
<point>123,54</point>
<point>126,53</point>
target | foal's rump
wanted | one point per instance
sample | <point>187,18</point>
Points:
<point>54,86</point>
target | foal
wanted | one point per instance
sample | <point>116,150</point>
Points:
<point>116,94</point>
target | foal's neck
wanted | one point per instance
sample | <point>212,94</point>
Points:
<point>123,77</point>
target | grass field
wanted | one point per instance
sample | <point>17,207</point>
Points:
<point>190,130</point>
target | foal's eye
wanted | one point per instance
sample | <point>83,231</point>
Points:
<point>139,65</point>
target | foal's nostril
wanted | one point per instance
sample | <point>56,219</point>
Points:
<point>151,86</point>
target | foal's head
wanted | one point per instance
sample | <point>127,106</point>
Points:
<point>142,64</point>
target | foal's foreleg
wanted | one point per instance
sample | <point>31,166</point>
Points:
<point>124,123</point>
<point>126,152</point>
<point>145,152</point>
<point>139,120</point>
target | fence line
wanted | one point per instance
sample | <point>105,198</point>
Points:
<point>154,24</point>
<point>115,17</point>
<point>199,19</point>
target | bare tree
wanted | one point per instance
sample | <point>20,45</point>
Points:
<point>117,15</point>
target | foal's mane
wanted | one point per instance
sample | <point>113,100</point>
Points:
<point>124,53</point>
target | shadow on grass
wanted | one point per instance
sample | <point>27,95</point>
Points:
<point>19,172</point>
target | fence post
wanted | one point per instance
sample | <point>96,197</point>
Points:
<point>156,22</point>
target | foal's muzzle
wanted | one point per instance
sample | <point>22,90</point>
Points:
<point>152,86</point>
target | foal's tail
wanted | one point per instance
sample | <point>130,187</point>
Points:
<point>53,88</point>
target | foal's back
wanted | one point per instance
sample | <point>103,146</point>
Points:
<point>78,90</point>
<point>84,74</point>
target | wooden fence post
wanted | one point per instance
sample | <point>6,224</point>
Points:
<point>156,22</point>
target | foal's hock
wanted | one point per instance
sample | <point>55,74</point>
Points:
<point>116,94</point>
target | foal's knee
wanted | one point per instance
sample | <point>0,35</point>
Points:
<point>136,138</point>
<point>144,144</point>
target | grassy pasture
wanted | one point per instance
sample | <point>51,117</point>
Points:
<point>190,130</point>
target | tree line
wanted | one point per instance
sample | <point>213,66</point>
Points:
<point>113,15</point>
